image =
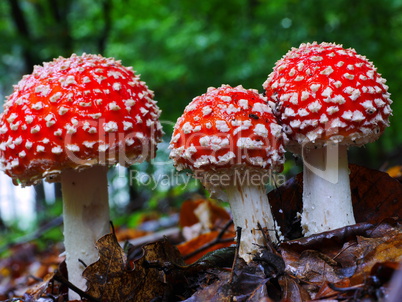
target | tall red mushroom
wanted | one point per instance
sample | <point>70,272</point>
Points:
<point>67,122</point>
<point>327,98</point>
<point>230,139</point>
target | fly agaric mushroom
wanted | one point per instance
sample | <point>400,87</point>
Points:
<point>327,98</point>
<point>230,138</point>
<point>66,122</point>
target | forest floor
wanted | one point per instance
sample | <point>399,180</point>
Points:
<point>196,259</point>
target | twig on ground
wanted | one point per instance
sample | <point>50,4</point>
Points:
<point>217,240</point>
<point>169,233</point>
<point>60,278</point>
<point>238,238</point>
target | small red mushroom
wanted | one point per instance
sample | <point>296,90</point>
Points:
<point>230,139</point>
<point>67,122</point>
<point>327,98</point>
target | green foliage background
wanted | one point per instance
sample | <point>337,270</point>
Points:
<point>181,47</point>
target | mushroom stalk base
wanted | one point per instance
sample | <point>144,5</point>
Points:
<point>250,207</point>
<point>86,219</point>
<point>327,202</point>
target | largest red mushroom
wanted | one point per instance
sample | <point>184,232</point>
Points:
<point>327,98</point>
<point>68,121</point>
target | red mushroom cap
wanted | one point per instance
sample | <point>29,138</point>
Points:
<point>227,127</point>
<point>74,113</point>
<point>323,92</point>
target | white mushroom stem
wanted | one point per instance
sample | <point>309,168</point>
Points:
<point>86,219</point>
<point>327,202</point>
<point>250,207</point>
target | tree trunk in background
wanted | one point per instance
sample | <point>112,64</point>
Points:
<point>40,204</point>
<point>21,24</point>
<point>106,10</point>
<point>60,12</point>
<point>2,225</point>
<point>57,192</point>
<point>136,199</point>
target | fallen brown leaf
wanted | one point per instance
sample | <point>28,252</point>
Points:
<point>248,284</point>
<point>375,196</point>
<point>205,211</point>
<point>41,288</point>
<point>292,291</point>
<point>113,278</point>
<point>344,257</point>
<point>26,268</point>
<point>204,240</point>
<point>129,234</point>
<point>326,292</point>
<point>395,172</point>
